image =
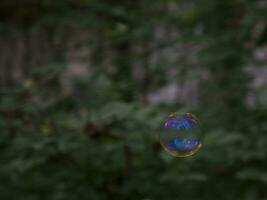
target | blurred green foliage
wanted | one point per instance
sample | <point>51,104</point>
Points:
<point>100,140</point>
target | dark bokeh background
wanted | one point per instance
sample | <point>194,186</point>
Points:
<point>85,85</point>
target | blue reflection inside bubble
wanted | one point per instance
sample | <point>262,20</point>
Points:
<point>177,144</point>
<point>186,122</point>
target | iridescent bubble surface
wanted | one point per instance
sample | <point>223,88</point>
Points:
<point>180,134</point>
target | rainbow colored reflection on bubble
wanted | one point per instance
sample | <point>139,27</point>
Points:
<point>180,135</point>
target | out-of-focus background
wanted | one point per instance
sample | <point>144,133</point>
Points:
<point>85,84</point>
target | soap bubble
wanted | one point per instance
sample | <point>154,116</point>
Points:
<point>180,134</point>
